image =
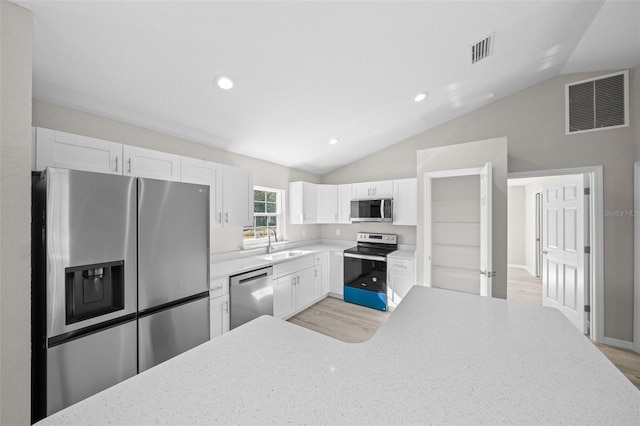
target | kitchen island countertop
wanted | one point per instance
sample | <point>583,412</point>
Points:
<point>442,358</point>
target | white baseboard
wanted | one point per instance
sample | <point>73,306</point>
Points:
<point>336,295</point>
<point>525,267</point>
<point>513,265</point>
<point>618,343</point>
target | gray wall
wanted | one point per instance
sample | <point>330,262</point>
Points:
<point>516,226</point>
<point>264,173</point>
<point>15,214</point>
<point>533,122</point>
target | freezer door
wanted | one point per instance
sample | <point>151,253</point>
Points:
<point>90,227</point>
<point>173,241</point>
<point>167,333</point>
<point>82,367</point>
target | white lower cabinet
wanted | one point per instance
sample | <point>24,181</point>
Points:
<point>336,275</point>
<point>400,279</point>
<point>321,275</point>
<point>219,315</point>
<point>299,284</point>
<point>283,301</point>
<point>219,305</point>
<point>303,289</point>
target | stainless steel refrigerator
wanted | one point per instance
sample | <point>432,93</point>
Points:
<point>120,280</point>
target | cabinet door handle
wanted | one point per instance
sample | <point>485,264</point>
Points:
<point>298,280</point>
<point>375,190</point>
<point>217,288</point>
<point>226,217</point>
<point>220,217</point>
<point>129,161</point>
<point>116,163</point>
<point>315,273</point>
<point>226,306</point>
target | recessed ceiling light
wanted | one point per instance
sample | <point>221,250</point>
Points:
<point>420,97</point>
<point>333,141</point>
<point>224,82</point>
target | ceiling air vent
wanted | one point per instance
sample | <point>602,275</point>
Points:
<point>597,104</point>
<point>482,49</point>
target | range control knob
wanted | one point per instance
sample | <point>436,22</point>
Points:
<point>374,279</point>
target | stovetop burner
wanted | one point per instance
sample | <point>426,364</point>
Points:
<point>374,244</point>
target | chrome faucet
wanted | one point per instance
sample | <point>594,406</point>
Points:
<point>269,247</point>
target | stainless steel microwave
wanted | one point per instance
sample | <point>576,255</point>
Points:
<point>378,210</point>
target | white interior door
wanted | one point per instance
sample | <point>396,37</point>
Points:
<point>563,249</point>
<point>486,267</point>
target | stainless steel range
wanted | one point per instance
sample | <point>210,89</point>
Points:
<point>365,269</point>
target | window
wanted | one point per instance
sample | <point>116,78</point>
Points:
<point>267,217</point>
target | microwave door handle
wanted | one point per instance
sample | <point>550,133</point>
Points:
<point>382,209</point>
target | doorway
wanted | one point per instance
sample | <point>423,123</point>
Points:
<point>458,230</point>
<point>555,243</point>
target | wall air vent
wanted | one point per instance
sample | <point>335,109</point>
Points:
<point>482,49</point>
<point>597,104</point>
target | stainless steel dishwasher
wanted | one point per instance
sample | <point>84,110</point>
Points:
<point>251,295</point>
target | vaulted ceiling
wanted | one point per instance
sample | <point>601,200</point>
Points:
<point>309,71</point>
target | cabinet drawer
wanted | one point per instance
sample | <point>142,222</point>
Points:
<point>320,258</point>
<point>219,286</point>
<point>291,266</point>
<point>399,264</point>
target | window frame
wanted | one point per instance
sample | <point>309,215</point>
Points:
<point>280,214</point>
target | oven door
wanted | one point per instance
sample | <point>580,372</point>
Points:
<point>365,272</point>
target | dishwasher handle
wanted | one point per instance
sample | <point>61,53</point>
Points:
<point>251,276</point>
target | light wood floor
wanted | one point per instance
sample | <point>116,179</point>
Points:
<point>341,320</point>
<point>354,324</point>
<point>523,287</point>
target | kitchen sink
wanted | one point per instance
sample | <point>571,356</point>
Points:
<point>285,255</point>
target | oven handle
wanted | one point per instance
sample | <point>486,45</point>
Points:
<point>366,257</point>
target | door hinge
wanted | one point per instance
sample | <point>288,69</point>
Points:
<point>587,191</point>
<point>587,250</point>
<point>587,308</point>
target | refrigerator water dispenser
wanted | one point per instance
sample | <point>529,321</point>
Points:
<point>94,290</point>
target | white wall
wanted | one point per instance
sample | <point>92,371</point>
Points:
<point>533,122</point>
<point>516,229</point>
<point>264,173</point>
<point>15,214</point>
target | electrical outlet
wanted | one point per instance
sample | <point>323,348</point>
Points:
<point>304,232</point>
<point>338,231</point>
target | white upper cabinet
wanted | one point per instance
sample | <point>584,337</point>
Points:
<point>152,164</point>
<point>303,201</point>
<point>405,201</point>
<point>231,188</point>
<point>327,204</point>
<point>231,196</point>
<point>237,196</point>
<point>368,190</point>
<point>67,151</point>
<point>206,173</point>
<point>344,203</point>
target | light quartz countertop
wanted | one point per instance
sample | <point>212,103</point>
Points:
<point>403,254</point>
<point>442,357</point>
<point>255,261</point>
